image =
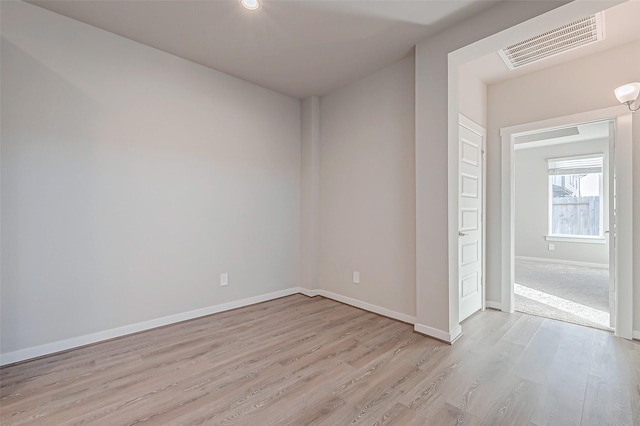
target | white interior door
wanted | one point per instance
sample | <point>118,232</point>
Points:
<point>470,218</point>
<point>612,225</point>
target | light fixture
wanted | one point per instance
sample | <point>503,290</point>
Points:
<point>628,94</point>
<point>250,4</point>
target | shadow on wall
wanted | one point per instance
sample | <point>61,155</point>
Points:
<point>54,167</point>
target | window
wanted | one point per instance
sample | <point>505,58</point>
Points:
<point>575,197</point>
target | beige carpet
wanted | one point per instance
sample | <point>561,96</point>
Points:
<point>575,294</point>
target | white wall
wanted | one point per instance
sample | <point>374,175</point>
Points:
<point>131,179</point>
<point>532,204</point>
<point>310,192</point>
<point>472,96</point>
<point>436,298</point>
<point>582,85</point>
<point>367,189</point>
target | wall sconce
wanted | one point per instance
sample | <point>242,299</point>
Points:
<point>628,94</point>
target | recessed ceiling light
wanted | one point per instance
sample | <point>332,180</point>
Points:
<point>250,4</point>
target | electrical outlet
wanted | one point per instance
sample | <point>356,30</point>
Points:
<point>552,247</point>
<point>356,277</point>
<point>224,279</point>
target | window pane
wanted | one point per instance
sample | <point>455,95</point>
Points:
<point>575,205</point>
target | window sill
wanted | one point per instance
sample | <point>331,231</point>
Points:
<point>576,239</point>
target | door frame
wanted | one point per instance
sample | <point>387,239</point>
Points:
<point>623,249</point>
<point>443,322</point>
<point>482,132</point>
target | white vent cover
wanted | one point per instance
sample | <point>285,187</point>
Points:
<point>567,37</point>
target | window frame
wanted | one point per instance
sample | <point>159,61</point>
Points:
<point>591,239</point>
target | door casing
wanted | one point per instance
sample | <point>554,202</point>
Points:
<point>622,266</point>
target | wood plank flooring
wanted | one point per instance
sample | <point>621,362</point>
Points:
<point>313,361</point>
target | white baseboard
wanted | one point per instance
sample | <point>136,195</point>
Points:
<point>439,334</point>
<point>456,334</point>
<point>563,262</point>
<point>307,292</point>
<point>493,305</point>
<point>420,328</point>
<point>62,345</point>
<point>364,305</point>
<point>636,334</point>
<point>87,339</point>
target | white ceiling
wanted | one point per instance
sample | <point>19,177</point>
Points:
<point>300,48</point>
<point>622,25</point>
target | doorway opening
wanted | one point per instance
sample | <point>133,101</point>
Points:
<point>618,212</point>
<point>563,215</point>
<point>473,70</point>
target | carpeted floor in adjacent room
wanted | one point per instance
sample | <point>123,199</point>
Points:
<point>576,294</point>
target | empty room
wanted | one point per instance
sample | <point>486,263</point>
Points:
<point>265,212</point>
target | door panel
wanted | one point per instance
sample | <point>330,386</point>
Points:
<point>470,284</point>
<point>470,222</point>
<point>612,226</point>
<point>469,186</point>
<point>469,253</point>
<point>469,219</point>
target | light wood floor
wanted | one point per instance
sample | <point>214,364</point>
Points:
<point>299,361</point>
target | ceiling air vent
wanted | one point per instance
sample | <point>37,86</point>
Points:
<point>567,37</point>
